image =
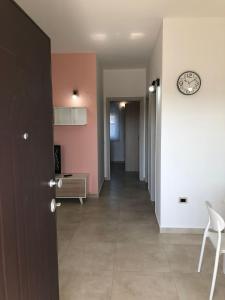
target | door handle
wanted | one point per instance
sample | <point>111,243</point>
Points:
<point>56,182</point>
<point>54,205</point>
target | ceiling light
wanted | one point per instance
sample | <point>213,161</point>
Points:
<point>136,35</point>
<point>99,36</point>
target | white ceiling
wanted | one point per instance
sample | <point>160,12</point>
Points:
<point>121,32</point>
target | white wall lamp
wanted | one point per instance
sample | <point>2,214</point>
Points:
<point>154,85</point>
<point>75,94</point>
<point>122,105</point>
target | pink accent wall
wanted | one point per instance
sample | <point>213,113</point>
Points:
<point>79,143</point>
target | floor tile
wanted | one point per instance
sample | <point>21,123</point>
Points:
<point>133,214</point>
<point>130,286</point>
<point>184,258</point>
<point>138,232</point>
<point>196,286</point>
<point>140,258</point>
<point>111,249</point>
<point>91,258</point>
<point>87,287</point>
<point>96,232</point>
<point>180,239</point>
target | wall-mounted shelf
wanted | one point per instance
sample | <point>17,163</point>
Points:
<point>70,116</point>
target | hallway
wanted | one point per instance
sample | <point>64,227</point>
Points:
<point>110,249</point>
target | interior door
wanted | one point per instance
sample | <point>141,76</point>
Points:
<point>132,113</point>
<point>28,247</point>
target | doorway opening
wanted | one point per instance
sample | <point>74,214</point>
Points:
<point>125,136</point>
<point>117,135</point>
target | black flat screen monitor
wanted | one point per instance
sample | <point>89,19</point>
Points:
<point>57,155</point>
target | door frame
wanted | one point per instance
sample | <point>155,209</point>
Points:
<point>142,135</point>
<point>152,147</point>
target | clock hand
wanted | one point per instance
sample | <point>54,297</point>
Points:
<point>191,81</point>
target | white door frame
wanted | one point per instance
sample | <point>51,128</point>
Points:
<point>142,136</point>
<point>154,176</point>
<point>152,146</point>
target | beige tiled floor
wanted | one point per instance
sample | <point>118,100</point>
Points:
<point>110,249</point>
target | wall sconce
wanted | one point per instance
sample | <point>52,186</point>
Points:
<point>122,105</point>
<point>75,94</point>
<point>154,85</point>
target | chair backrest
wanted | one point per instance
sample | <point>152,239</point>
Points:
<point>216,221</point>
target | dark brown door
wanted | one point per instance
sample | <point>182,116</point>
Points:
<point>28,248</point>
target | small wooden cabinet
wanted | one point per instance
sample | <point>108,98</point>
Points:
<point>70,115</point>
<point>74,186</point>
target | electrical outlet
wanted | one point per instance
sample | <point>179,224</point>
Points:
<point>183,200</point>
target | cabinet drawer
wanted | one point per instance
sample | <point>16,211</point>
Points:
<point>72,188</point>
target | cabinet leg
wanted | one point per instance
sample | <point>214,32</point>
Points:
<point>81,201</point>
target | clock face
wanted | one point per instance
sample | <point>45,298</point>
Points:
<point>189,83</point>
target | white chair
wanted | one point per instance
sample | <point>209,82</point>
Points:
<point>217,238</point>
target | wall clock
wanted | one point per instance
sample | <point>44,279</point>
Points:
<point>189,83</point>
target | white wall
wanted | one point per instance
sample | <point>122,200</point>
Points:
<point>128,83</point>
<point>193,127</point>
<point>100,118</point>
<point>154,137</point>
<point>124,83</point>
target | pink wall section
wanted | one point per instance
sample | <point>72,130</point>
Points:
<point>79,143</point>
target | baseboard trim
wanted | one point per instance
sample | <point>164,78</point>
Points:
<point>182,230</point>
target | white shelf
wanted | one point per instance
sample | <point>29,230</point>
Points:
<point>70,116</point>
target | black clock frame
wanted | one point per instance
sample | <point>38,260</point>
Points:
<point>178,87</point>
